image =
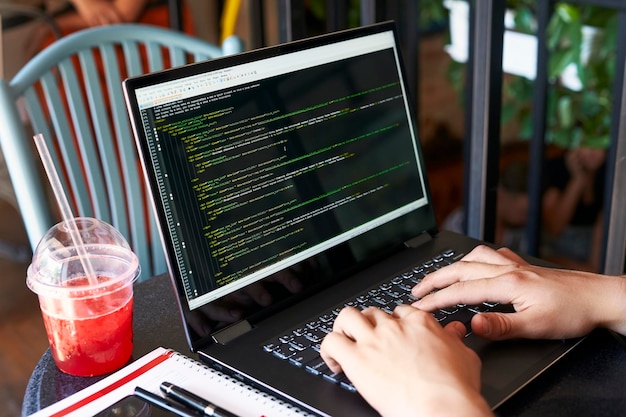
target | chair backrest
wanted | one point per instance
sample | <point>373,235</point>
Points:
<point>72,95</point>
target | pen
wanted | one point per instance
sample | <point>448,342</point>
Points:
<point>193,401</point>
<point>164,403</point>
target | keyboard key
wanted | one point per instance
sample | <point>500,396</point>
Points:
<point>284,351</point>
<point>304,357</point>
<point>299,342</point>
<point>316,366</point>
<point>334,377</point>
<point>346,384</point>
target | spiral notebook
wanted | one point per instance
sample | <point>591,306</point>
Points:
<point>167,365</point>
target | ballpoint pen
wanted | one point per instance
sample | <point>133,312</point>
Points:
<point>193,401</point>
<point>165,403</point>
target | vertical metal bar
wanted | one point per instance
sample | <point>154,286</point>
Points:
<point>175,15</point>
<point>257,24</point>
<point>615,199</point>
<point>483,154</point>
<point>368,12</point>
<point>336,15</point>
<point>537,143</point>
<point>408,23</point>
<point>285,24</point>
<point>298,18</point>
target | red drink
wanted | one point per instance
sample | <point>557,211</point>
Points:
<point>98,339</point>
<point>89,319</point>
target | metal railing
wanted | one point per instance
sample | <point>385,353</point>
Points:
<point>483,127</point>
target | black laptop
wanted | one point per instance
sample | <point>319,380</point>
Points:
<point>289,182</point>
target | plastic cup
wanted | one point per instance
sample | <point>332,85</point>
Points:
<point>88,320</point>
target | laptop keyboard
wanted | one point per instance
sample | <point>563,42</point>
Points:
<point>301,346</point>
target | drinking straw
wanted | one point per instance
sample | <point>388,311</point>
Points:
<point>64,205</point>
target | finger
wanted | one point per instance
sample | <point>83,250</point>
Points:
<point>353,323</point>
<point>456,329</point>
<point>374,315</point>
<point>498,326</point>
<point>334,348</point>
<point>527,324</point>
<point>404,310</point>
<point>487,254</point>
<point>469,292</point>
<point>456,272</point>
<point>512,256</point>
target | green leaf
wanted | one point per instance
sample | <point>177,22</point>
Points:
<point>525,125</point>
<point>565,112</point>
<point>560,60</point>
<point>590,103</point>
<point>567,13</point>
<point>554,32</point>
<point>525,20</point>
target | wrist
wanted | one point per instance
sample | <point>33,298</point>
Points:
<point>615,311</point>
<point>469,403</point>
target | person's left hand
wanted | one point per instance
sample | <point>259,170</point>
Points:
<point>406,363</point>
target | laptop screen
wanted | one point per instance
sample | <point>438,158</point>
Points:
<point>279,170</point>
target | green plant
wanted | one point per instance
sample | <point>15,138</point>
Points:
<point>432,12</point>
<point>574,118</point>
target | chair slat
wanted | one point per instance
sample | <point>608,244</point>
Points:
<point>154,56</point>
<point>110,143</point>
<point>89,162</point>
<point>62,138</point>
<point>178,57</point>
<point>21,164</point>
<point>132,56</point>
<point>107,179</point>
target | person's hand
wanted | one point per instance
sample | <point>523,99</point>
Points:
<point>98,12</point>
<point>549,303</point>
<point>406,364</point>
<point>575,165</point>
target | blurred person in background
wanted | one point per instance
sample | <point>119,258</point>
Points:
<point>511,207</point>
<point>572,207</point>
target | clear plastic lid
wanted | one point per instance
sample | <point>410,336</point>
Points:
<point>56,262</point>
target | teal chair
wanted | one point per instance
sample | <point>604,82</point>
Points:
<point>71,93</point>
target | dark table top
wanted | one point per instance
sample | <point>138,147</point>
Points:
<point>590,381</point>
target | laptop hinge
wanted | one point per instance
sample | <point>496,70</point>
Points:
<point>231,332</point>
<point>418,240</point>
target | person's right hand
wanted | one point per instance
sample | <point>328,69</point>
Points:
<point>549,303</point>
<point>405,363</point>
